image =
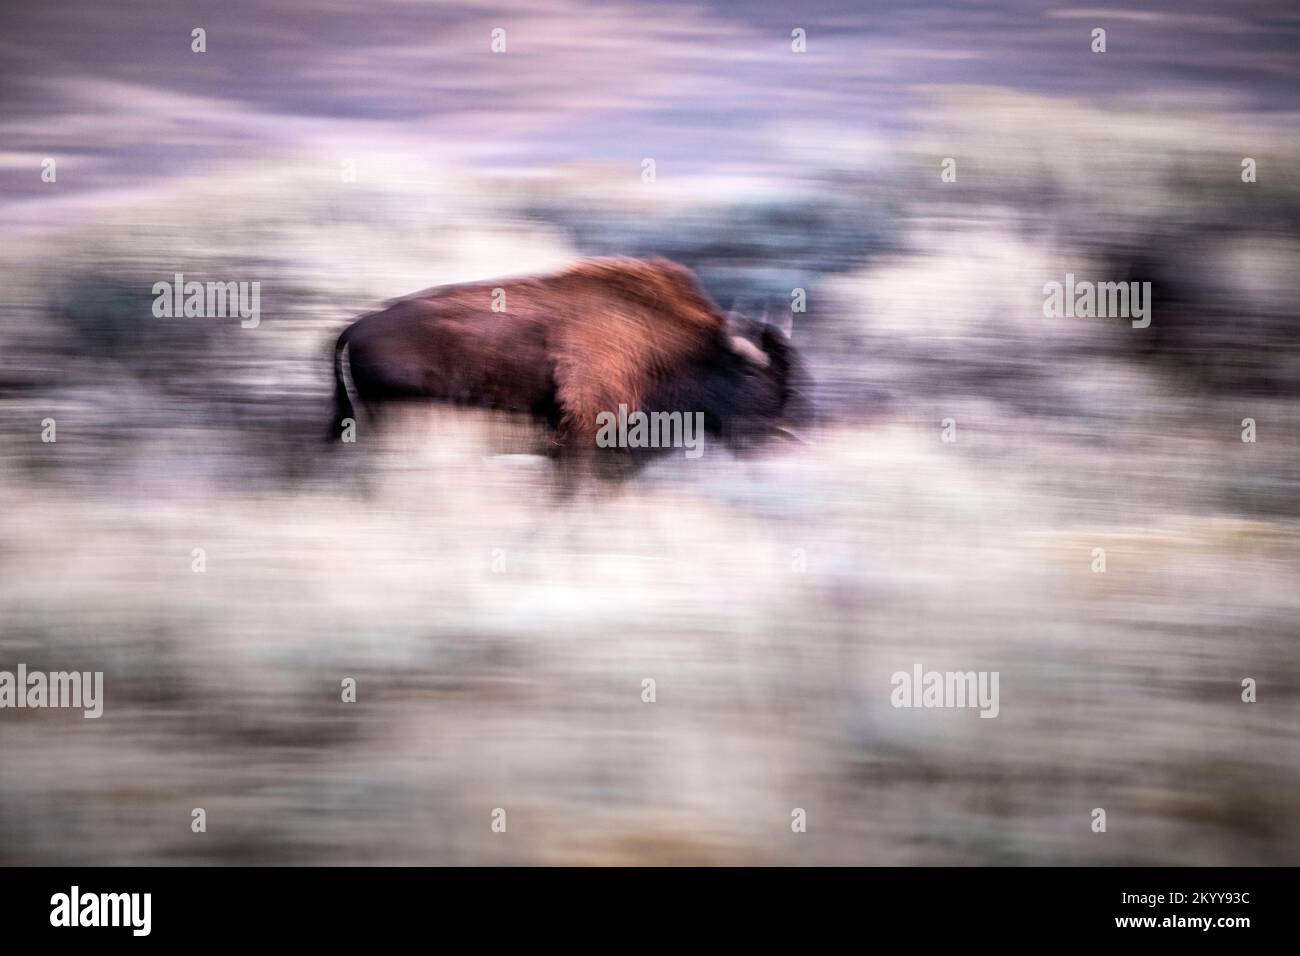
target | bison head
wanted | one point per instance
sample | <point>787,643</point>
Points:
<point>766,391</point>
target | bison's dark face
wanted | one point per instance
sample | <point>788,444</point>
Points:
<point>771,388</point>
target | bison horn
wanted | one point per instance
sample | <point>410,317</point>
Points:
<point>785,326</point>
<point>747,349</point>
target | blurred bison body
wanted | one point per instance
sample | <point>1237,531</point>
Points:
<point>564,348</point>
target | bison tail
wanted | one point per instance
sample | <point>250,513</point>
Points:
<point>342,400</point>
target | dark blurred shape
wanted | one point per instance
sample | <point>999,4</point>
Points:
<point>604,337</point>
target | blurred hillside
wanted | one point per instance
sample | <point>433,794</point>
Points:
<point>500,631</point>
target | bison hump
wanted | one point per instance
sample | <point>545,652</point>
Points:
<point>630,325</point>
<point>671,290</point>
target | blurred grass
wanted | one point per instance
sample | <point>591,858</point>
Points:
<point>521,689</point>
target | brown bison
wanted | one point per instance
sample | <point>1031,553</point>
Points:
<point>574,346</point>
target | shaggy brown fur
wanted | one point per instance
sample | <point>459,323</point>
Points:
<point>566,347</point>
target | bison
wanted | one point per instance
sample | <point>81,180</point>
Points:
<point>571,347</point>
